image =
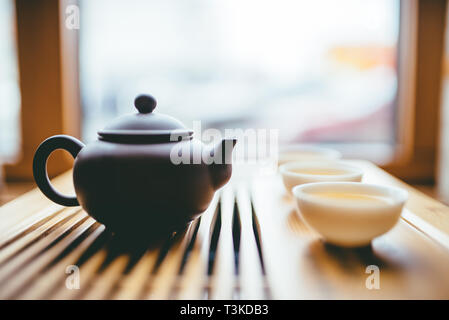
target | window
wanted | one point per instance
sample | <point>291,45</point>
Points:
<point>319,71</point>
<point>9,89</point>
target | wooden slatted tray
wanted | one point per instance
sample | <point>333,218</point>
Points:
<point>249,244</point>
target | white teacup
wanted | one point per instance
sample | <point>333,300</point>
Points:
<point>300,172</point>
<point>307,153</point>
<point>349,213</point>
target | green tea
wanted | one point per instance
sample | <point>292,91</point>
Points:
<point>321,172</point>
<point>353,197</point>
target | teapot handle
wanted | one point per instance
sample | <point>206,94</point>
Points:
<point>65,142</point>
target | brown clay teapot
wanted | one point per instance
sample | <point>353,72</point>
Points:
<point>145,173</point>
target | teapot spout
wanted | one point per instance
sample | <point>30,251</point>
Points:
<point>221,167</point>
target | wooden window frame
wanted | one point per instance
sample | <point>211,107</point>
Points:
<point>49,82</point>
<point>420,61</point>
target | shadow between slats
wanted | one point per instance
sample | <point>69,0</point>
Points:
<point>209,252</point>
<point>55,276</point>
<point>20,272</point>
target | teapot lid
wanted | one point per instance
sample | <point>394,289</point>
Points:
<point>145,126</point>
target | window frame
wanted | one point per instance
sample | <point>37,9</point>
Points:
<point>420,57</point>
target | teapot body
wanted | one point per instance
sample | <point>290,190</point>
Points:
<point>132,186</point>
<point>145,175</point>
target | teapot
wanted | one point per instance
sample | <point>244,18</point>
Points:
<point>145,173</point>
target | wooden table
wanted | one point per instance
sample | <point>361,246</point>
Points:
<point>249,244</point>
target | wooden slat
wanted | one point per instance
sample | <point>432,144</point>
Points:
<point>279,243</point>
<point>54,278</point>
<point>11,285</point>
<point>133,284</point>
<point>104,282</point>
<point>163,280</point>
<point>88,273</point>
<point>27,205</point>
<point>251,278</point>
<point>16,230</point>
<point>223,279</point>
<point>34,235</point>
<point>429,230</point>
<point>194,280</point>
<point>23,258</point>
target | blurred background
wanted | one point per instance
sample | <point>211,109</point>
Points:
<point>366,77</point>
<point>252,63</point>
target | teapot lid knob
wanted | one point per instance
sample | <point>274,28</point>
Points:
<point>145,103</point>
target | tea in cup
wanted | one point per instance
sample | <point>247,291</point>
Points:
<point>349,214</point>
<point>300,172</point>
<point>307,153</point>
